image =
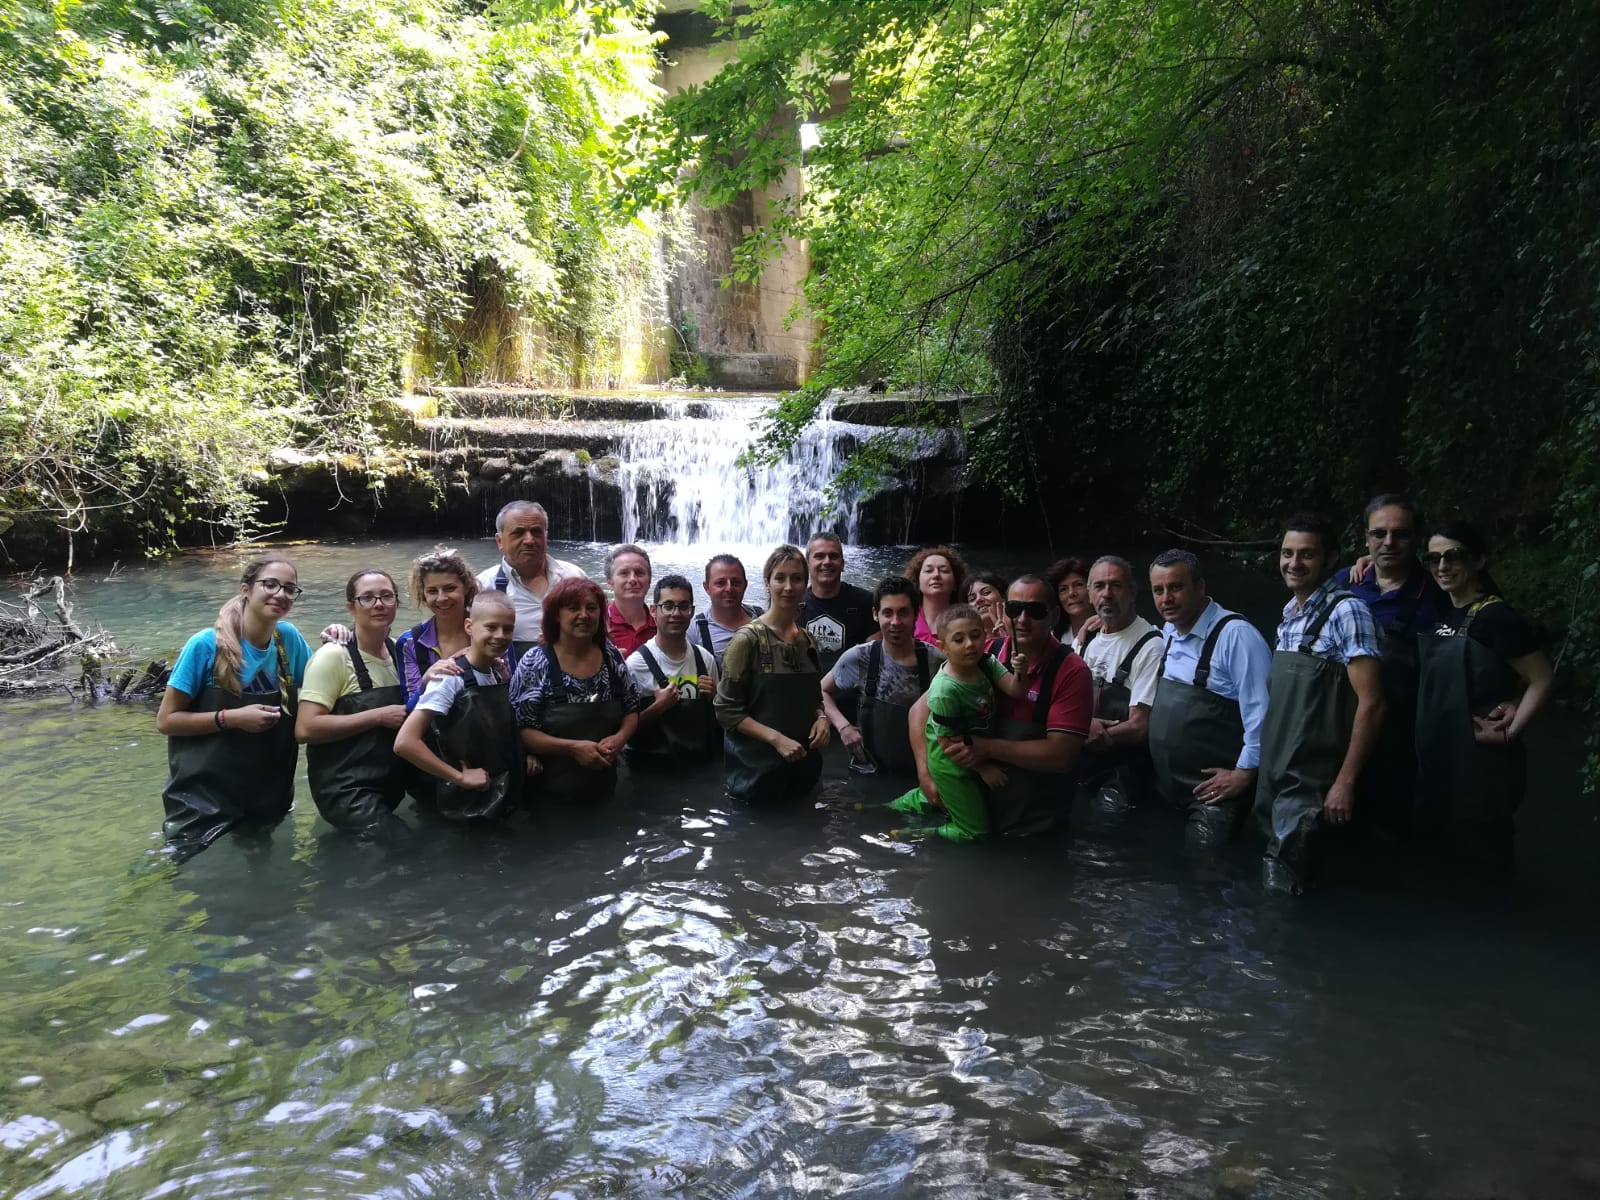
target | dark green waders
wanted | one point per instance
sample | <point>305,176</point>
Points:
<point>480,730</point>
<point>1192,728</point>
<point>1311,710</point>
<point>1031,801</point>
<point>1388,782</point>
<point>563,779</point>
<point>357,781</point>
<point>687,734</point>
<point>886,728</point>
<point>230,778</point>
<point>1119,777</point>
<point>752,771</point>
<point>1468,793</point>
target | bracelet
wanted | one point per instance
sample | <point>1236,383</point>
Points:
<point>222,722</point>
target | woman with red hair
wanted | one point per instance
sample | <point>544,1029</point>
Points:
<point>941,577</point>
<point>574,698</point>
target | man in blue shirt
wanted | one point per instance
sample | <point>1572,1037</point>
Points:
<point>1211,700</point>
<point>1325,707</point>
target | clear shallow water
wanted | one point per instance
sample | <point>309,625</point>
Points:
<point>683,998</point>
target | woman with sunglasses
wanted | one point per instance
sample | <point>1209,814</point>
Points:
<point>1484,678</point>
<point>350,707</point>
<point>231,754</point>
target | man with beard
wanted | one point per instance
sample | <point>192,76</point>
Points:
<point>526,572</point>
<point>836,613</point>
<point>1124,659</point>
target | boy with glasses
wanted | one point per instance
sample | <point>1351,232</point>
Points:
<point>679,727</point>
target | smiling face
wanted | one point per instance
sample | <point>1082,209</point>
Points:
<point>491,631</point>
<point>444,594</point>
<point>936,577</point>
<point>726,584</point>
<point>1454,569</point>
<point>1304,562</point>
<point>826,560</point>
<point>266,598</point>
<point>1033,633</point>
<point>629,578</point>
<point>674,609</point>
<point>963,642</point>
<point>375,604</point>
<point>580,621</point>
<point>1392,540</point>
<point>983,596</point>
<point>897,620</point>
<point>1112,593</point>
<point>1179,597</point>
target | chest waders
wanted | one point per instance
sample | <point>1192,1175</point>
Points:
<point>1031,801</point>
<point>886,727</point>
<point>563,779</point>
<point>1121,775</point>
<point>1311,710</point>
<point>480,730</point>
<point>220,780</point>
<point>752,771</point>
<point>357,781</point>
<point>1468,793</point>
<point>1192,728</point>
<point>687,733</point>
<point>1389,779</point>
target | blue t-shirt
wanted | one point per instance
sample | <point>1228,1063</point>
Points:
<point>191,675</point>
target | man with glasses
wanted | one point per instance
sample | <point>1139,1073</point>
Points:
<point>838,614</point>
<point>1405,602</point>
<point>679,728</point>
<point>1037,740</point>
<point>526,572</point>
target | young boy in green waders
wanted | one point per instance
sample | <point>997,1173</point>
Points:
<point>960,704</point>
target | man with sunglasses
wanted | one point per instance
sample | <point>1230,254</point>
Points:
<point>679,728</point>
<point>1037,739</point>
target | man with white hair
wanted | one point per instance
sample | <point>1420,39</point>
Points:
<point>526,572</point>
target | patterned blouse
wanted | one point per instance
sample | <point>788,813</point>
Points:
<point>539,682</point>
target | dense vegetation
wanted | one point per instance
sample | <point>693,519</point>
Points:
<point>230,227</point>
<point>1215,260</point>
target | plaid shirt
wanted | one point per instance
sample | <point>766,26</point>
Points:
<point>1350,632</point>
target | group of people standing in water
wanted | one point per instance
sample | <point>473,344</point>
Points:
<point>1394,696</point>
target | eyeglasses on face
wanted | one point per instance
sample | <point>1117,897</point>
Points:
<point>375,598</point>
<point>1034,610</point>
<point>1446,558</point>
<point>273,586</point>
<point>672,606</point>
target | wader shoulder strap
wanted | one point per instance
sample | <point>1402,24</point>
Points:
<point>469,677</point>
<point>924,676</point>
<point>288,694</point>
<point>703,624</point>
<point>1126,669</point>
<point>869,689</point>
<point>654,667</point>
<point>1477,607</point>
<point>502,581</point>
<point>359,664</point>
<point>699,660</point>
<point>1202,670</point>
<point>1314,630</point>
<point>764,655</point>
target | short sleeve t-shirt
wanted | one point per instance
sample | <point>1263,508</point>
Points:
<point>1498,626</point>
<point>897,684</point>
<point>439,696</point>
<point>192,673</point>
<point>1071,696</point>
<point>706,626</point>
<point>682,673</point>
<point>839,622</point>
<point>331,676</point>
<point>957,708</point>
<point>1104,656</point>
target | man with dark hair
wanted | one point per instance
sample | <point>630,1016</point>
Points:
<point>869,693</point>
<point>838,614</point>
<point>1210,702</point>
<point>679,728</point>
<point>526,572</point>
<point>725,583</point>
<point>1325,704</point>
<point>1038,739</point>
<point>1405,602</point>
<point>1124,660</point>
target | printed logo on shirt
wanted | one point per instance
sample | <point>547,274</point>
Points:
<point>688,686</point>
<point>829,634</point>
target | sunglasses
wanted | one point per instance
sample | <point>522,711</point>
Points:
<point>1446,558</point>
<point>1034,610</point>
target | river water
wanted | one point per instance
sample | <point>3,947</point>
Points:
<point>684,998</point>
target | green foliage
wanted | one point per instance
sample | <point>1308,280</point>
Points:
<point>224,229</point>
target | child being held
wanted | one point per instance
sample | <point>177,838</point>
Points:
<point>960,703</point>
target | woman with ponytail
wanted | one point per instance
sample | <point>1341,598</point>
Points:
<point>228,713</point>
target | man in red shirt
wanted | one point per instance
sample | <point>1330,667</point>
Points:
<point>1037,740</point>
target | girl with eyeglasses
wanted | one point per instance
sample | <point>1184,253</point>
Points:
<point>230,752</point>
<point>1484,678</point>
<point>350,707</point>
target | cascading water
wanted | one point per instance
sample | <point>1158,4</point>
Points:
<point>682,482</point>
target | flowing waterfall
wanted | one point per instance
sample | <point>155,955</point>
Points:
<point>681,480</point>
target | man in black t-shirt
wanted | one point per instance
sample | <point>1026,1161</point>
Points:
<point>837,614</point>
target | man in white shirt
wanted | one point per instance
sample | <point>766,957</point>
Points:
<point>1124,660</point>
<point>526,572</point>
<point>679,728</point>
